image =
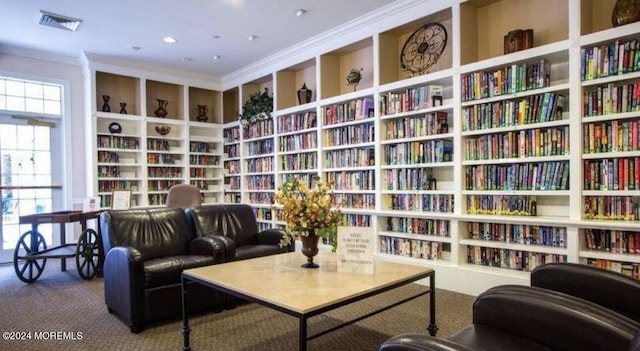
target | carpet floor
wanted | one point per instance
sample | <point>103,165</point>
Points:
<point>62,305</point>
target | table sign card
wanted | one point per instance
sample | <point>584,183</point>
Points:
<point>91,204</point>
<point>355,250</point>
<point>121,200</point>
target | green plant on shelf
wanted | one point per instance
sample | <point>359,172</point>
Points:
<point>258,107</point>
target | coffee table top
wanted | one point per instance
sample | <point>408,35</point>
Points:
<point>279,279</point>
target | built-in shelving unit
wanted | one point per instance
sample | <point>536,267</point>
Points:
<point>483,166</point>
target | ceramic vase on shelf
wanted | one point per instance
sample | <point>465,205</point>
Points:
<point>105,105</point>
<point>310,248</point>
<point>161,111</point>
<point>123,106</point>
<point>202,113</point>
<point>304,94</point>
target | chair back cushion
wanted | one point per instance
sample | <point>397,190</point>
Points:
<point>236,221</point>
<point>157,232</point>
<point>184,196</point>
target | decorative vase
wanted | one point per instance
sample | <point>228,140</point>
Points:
<point>115,128</point>
<point>123,106</point>
<point>105,105</point>
<point>310,248</point>
<point>304,94</point>
<point>354,77</point>
<point>162,108</point>
<point>163,129</point>
<point>625,12</point>
<point>202,113</point>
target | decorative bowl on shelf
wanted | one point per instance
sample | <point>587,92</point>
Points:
<point>163,129</point>
<point>115,128</point>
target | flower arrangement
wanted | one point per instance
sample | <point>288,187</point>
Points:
<point>258,107</point>
<point>308,209</point>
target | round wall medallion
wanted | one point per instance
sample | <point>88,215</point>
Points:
<point>423,48</point>
<point>115,128</point>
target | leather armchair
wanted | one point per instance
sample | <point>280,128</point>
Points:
<point>235,225</point>
<point>146,251</point>
<point>610,289</point>
<point>522,318</point>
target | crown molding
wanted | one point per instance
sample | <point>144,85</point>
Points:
<point>39,55</point>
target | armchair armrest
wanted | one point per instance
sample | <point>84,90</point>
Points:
<point>273,237</point>
<point>421,342</point>
<point>612,290</point>
<point>556,320</point>
<point>124,283</point>
<point>209,246</point>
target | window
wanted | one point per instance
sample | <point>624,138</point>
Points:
<point>30,96</point>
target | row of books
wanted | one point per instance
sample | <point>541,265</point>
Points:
<point>201,184</point>
<point>108,172</point>
<point>232,151</point>
<point>116,142</point>
<point>356,220</point>
<point>232,183</point>
<point>424,202</point>
<point>618,241</point>
<point>162,185</point>
<point>350,135</point>
<point>108,157</point>
<point>610,98</point>
<point>612,174</point>
<point>417,126</point>
<point>611,136</point>
<point>263,164</point>
<point>352,180</point>
<point>260,182</point>
<point>505,205</point>
<point>261,198</point>
<point>409,179</point>
<point>158,145</point>
<point>627,268</point>
<point>296,142</point>
<point>298,161</point>
<point>411,99</point>
<point>297,121</point>
<point>164,172</point>
<point>353,157</point>
<point>308,178</point>
<point>618,57</point>
<point>231,134</point>
<point>232,167</point>
<point>506,80</point>
<point>418,152</point>
<point>197,146</point>
<point>518,233</point>
<point>232,198</point>
<point>425,250</point>
<point>162,159</point>
<point>346,112</point>
<point>510,259</point>
<point>619,208</point>
<point>537,108</point>
<point>157,199</point>
<point>263,214</point>
<point>260,147</point>
<point>356,201</point>
<point>111,185</point>
<point>204,160</point>
<point>257,129</point>
<point>519,176</point>
<point>516,144</point>
<point>423,226</point>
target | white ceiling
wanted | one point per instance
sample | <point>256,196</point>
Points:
<point>112,27</point>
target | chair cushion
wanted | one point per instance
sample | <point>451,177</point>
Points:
<point>253,251</point>
<point>166,271</point>
<point>481,337</point>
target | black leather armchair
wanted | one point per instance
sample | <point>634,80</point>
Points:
<point>146,251</point>
<point>525,318</point>
<point>235,225</point>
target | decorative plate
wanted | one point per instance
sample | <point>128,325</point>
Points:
<point>423,48</point>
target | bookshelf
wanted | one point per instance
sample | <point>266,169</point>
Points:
<point>506,169</point>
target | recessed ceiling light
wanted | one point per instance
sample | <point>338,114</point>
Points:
<point>170,40</point>
<point>186,59</point>
<point>300,12</point>
<point>216,57</point>
<point>252,37</point>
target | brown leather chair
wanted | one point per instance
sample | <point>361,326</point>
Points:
<point>184,196</point>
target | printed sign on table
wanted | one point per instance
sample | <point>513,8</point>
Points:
<point>355,250</point>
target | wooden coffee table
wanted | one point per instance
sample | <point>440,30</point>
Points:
<point>278,282</point>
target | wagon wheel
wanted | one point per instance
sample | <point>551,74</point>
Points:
<point>29,269</point>
<point>87,254</point>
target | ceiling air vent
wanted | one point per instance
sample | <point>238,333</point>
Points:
<point>59,21</point>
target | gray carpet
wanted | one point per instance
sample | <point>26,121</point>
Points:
<point>63,302</point>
